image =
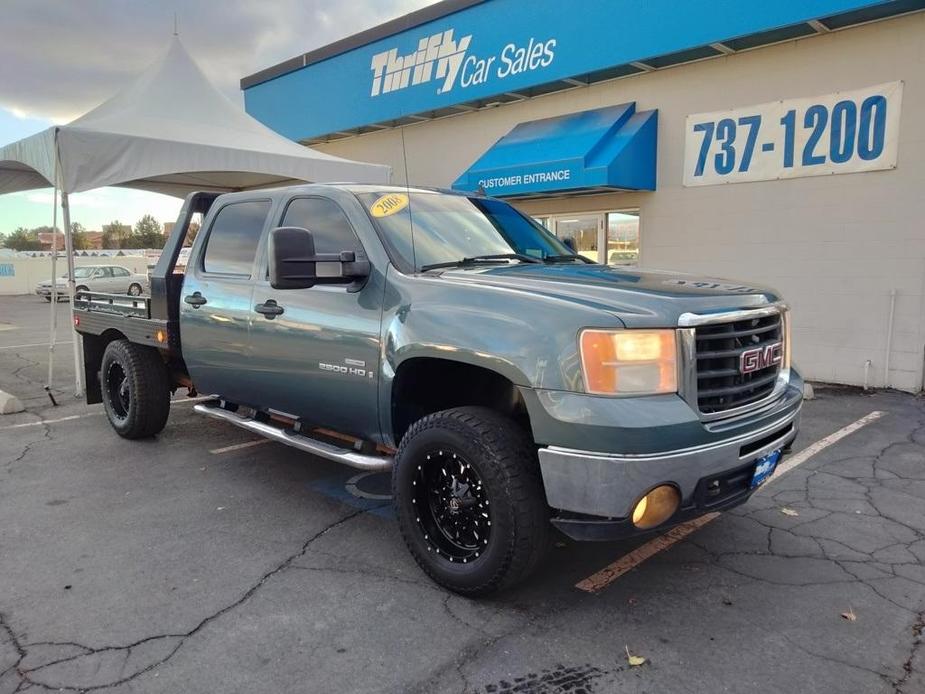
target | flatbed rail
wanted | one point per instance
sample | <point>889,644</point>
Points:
<point>95,313</point>
<point>117,304</point>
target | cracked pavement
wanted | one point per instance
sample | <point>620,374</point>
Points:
<point>157,566</point>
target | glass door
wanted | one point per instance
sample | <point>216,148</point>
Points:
<point>582,232</point>
<point>623,237</point>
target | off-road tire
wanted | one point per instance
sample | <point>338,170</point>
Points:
<point>504,457</point>
<point>147,389</point>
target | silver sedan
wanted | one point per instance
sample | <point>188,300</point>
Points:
<point>109,279</point>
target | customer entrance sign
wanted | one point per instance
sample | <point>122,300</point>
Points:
<point>842,132</point>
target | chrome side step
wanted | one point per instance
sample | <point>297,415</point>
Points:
<point>303,443</point>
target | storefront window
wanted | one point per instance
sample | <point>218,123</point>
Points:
<point>623,237</point>
<point>580,232</point>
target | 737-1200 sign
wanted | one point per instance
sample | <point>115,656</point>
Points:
<point>844,132</point>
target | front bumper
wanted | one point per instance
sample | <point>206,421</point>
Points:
<point>597,491</point>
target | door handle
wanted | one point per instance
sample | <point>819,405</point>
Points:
<point>269,309</point>
<point>195,299</point>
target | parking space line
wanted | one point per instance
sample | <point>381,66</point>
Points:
<point>37,344</point>
<point>51,421</point>
<point>178,401</point>
<point>603,578</point>
<point>239,446</point>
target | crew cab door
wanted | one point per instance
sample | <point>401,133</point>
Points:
<point>215,300</point>
<point>318,358</point>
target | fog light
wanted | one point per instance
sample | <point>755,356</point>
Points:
<point>656,507</point>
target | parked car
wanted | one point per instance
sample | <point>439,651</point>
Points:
<point>108,279</point>
<point>507,382</point>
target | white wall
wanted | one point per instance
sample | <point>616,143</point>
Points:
<point>835,246</point>
<point>28,272</point>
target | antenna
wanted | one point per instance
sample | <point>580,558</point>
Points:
<point>404,156</point>
<point>176,25</point>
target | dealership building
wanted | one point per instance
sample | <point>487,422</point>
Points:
<point>777,143</point>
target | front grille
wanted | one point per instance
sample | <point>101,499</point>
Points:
<point>720,384</point>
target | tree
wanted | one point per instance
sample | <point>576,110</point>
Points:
<point>23,240</point>
<point>81,240</point>
<point>148,233</point>
<point>116,234</point>
<point>191,233</point>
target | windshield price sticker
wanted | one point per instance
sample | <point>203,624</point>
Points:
<point>844,132</point>
<point>389,204</point>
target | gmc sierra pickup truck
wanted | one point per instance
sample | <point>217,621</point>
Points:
<point>507,382</point>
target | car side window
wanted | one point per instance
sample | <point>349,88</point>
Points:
<point>104,272</point>
<point>233,237</point>
<point>120,272</point>
<point>331,230</point>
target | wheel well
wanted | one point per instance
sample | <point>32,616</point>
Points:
<point>423,386</point>
<point>93,348</point>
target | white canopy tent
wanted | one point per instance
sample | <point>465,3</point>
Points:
<point>171,131</point>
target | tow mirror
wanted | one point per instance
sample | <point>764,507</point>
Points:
<point>295,265</point>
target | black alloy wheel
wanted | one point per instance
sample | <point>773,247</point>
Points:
<point>469,498</point>
<point>452,505</point>
<point>117,390</point>
<point>135,389</point>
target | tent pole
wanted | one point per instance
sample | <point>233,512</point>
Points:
<point>53,320</point>
<point>69,250</point>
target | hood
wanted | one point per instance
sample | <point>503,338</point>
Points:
<point>650,298</point>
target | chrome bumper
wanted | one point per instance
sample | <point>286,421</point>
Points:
<point>609,485</point>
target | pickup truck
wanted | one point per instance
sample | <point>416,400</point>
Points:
<point>508,383</point>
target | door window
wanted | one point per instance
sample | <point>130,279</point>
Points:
<point>120,272</point>
<point>330,228</point>
<point>623,237</point>
<point>583,232</point>
<point>233,238</point>
<point>104,272</point>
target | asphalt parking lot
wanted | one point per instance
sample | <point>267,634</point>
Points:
<point>190,563</point>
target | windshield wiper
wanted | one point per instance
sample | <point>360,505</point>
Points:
<point>565,258</point>
<point>482,259</point>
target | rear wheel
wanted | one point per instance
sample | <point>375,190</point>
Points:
<point>135,388</point>
<point>470,502</point>
<point>134,289</point>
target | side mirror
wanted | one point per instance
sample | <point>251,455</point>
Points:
<point>570,243</point>
<point>295,265</point>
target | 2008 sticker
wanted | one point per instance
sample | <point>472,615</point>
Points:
<point>389,204</point>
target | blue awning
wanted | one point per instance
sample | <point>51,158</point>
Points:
<point>606,148</point>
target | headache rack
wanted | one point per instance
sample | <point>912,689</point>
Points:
<point>717,346</point>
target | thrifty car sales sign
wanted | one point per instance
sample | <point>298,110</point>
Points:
<point>845,132</point>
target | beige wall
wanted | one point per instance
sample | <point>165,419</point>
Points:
<point>835,246</point>
<point>30,271</point>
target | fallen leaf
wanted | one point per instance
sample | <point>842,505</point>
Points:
<point>849,615</point>
<point>634,660</point>
<point>789,512</point>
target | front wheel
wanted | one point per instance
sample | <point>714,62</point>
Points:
<point>469,499</point>
<point>134,289</point>
<point>135,388</point>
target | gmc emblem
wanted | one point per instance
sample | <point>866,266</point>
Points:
<point>761,358</point>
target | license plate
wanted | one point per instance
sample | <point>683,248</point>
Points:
<point>764,468</point>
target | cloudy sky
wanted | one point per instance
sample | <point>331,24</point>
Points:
<point>61,58</point>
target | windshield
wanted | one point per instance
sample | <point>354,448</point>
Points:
<point>449,228</point>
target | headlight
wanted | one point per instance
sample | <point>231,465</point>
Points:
<point>629,362</point>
